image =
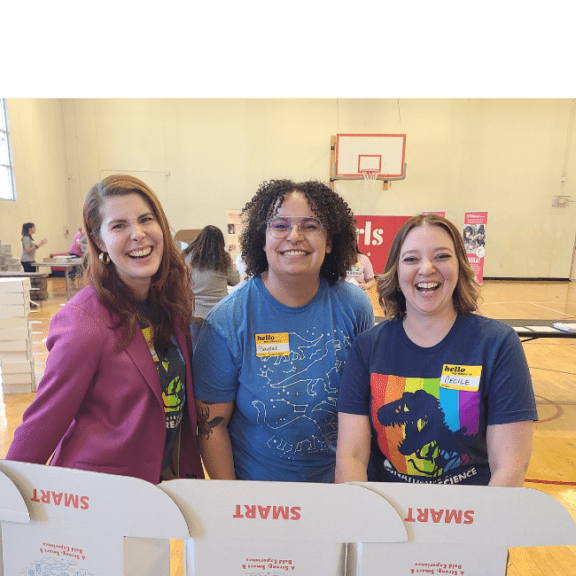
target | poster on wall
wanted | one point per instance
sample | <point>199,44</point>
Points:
<point>234,226</point>
<point>475,241</point>
<point>375,236</point>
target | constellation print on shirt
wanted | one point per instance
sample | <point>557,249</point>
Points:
<point>302,390</point>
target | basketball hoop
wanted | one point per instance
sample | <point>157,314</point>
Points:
<point>370,176</point>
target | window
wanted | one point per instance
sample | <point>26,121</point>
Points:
<point>7,188</point>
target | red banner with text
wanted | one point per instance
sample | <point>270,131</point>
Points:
<point>375,236</point>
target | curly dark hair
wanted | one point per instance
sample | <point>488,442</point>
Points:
<point>170,290</point>
<point>329,207</point>
<point>465,295</point>
<point>208,250</point>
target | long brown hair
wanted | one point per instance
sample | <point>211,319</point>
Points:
<point>170,290</point>
<point>208,250</point>
<point>465,294</point>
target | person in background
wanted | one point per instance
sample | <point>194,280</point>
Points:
<point>361,272</point>
<point>79,244</point>
<point>268,361</point>
<point>116,395</point>
<point>212,269</point>
<point>436,393</point>
<point>77,250</point>
<point>29,247</point>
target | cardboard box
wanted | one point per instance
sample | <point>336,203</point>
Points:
<point>187,236</point>
<point>14,298</point>
<point>21,356</point>
<point>14,346</point>
<point>23,332</point>
<point>461,530</point>
<point>22,367</point>
<point>16,378</point>
<point>14,285</point>
<point>25,388</point>
<point>60,521</point>
<point>277,528</point>
<point>12,311</point>
<point>15,322</point>
<point>84,523</point>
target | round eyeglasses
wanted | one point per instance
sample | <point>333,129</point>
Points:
<point>280,227</point>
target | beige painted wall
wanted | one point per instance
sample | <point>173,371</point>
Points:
<point>203,156</point>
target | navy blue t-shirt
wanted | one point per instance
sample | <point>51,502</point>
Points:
<point>429,407</point>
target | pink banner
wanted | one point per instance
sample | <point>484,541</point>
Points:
<point>475,241</point>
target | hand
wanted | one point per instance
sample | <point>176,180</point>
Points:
<point>42,242</point>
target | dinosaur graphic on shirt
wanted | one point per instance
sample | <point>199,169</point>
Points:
<point>434,447</point>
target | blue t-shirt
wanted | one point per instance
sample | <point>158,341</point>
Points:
<point>429,407</point>
<point>282,368</point>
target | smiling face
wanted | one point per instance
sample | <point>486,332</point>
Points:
<point>295,257</point>
<point>428,271</point>
<point>132,237</point>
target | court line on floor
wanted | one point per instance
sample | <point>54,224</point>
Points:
<point>557,482</point>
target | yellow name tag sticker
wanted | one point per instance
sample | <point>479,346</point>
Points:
<point>461,377</point>
<point>272,344</point>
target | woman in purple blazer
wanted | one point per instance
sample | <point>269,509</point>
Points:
<point>117,396</point>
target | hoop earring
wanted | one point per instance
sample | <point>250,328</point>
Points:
<point>104,257</point>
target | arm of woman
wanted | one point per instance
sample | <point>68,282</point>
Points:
<point>233,275</point>
<point>214,440</point>
<point>74,343</point>
<point>509,451</point>
<point>369,281</point>
<point>353,450</point>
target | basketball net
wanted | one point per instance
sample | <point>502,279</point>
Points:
<point>370,176</point>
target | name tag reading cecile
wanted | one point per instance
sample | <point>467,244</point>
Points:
<point>461,377</point>
<point>272,344</point>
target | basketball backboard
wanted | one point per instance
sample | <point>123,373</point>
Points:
<point>357,154</point>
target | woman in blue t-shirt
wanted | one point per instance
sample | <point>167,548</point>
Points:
<point>436,393</point>
<point>268,362</point>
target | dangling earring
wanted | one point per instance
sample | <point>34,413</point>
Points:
<point>104,257</point>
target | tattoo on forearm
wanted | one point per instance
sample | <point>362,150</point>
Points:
<point>205,426</point>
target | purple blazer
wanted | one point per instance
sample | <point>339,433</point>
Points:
<point>98,408</point>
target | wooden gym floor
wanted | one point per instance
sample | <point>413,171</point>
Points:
<point>552,365</point>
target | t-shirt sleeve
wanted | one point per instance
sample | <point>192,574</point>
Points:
<point>354,392</point>
<point>214,367</point>
<point>511,395</point>
<point>368,270</point>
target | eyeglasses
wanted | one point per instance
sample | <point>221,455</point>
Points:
<point>280,227</point>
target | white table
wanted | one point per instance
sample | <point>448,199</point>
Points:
<point>66,264</point>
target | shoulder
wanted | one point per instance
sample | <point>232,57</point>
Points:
<point>364,259</point>
<point>350,296</point>
<point>87,304</point>
<point>487,327</point>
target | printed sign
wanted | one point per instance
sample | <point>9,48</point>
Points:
<point>234,227</point>
<point>475,241</point>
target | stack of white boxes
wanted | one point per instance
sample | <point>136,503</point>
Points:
<point>16,358</point>
<point>7,261</point>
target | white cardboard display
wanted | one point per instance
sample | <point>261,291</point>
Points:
<point>79,521</point>
<point>276,528</point>
<point>461,530</point>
